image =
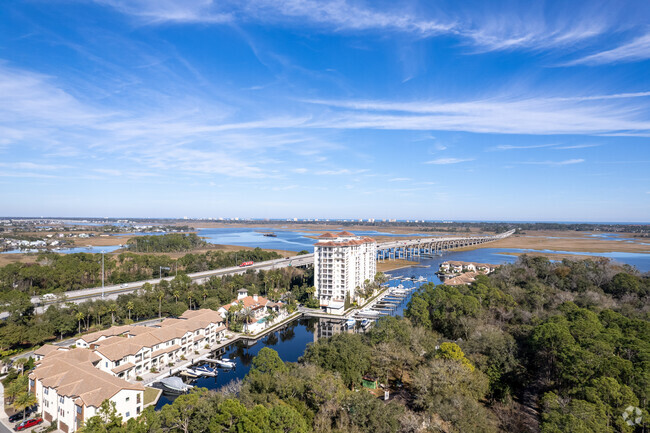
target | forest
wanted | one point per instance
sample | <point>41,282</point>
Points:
<point>58,273</point>
<point>167,243</point>
<point>538,346</point>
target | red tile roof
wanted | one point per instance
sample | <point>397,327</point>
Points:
<point>327,235</point>
<point>346,243</point>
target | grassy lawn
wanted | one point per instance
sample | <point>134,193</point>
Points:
<point>150,395</point>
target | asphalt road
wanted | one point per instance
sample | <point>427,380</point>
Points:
<point>113,291</point>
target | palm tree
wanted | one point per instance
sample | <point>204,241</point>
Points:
<point>80,317</point>
<point>14,388</point>
<point>190,297</point>
<point>112,309</point>
<point>129,307</point>
<point>205,294</point>
<point>23,401</point>
<point>233,311</point>
<point>160,295</point>
<point>248,314</point>
<point>176,295</point>
<point>21,362</point>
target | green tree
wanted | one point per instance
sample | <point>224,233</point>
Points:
<point>23,401</point>
<point>452,351</point>
<point>129,308</point>
<point>285,419</point>
<point>268,361</point>
<point>107,420</point>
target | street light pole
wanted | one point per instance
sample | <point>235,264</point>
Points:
<point>102,274</point>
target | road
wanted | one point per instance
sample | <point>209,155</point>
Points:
<point>113,291</point>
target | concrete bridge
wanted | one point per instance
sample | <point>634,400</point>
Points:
<point>422,247</point>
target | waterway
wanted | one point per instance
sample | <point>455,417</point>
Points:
<point>285,239</point>
<point>291,341</point>
<point>292,240</point>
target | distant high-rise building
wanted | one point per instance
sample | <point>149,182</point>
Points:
<point>342,262</point>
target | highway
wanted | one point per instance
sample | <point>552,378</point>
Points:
<point>113,291</point>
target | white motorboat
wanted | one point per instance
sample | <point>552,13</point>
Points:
<point>175,385</point>
<point>225,363</point>
<point>188,372</point>
<point>205,370</point>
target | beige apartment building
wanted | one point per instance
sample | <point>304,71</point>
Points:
<point>71,384</point>
<point>342,262</point>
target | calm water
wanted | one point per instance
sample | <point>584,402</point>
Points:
<point>291,240</point>
<point>289,342</point>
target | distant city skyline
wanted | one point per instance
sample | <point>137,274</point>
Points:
<point>326,109</point>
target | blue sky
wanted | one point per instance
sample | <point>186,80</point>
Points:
<point>328,109</point>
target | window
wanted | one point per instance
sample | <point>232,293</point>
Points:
<point>127,399</point>
<point>78,409</point>
<point>45,390</point>
<point>128,414</point>
<point>138,409</point>
<point>106,364</point>
<point>61,400</point>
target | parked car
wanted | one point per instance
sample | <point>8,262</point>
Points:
<point>19,415</point>
<point>28,423</point>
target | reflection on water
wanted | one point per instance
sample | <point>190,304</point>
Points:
<point>329,327</point>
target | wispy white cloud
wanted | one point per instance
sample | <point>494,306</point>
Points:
<point>26,174</point>
<point>481,26</point>
<point>543,146</point>
<point>557,163</point>
<point>632,51</point>
<point>342,171</point>
<point>33,166</point>
<point>445,161</point>
<point>400,179</point>
<point>36,109</point>
<point>489,28</point>
<point>335,14</point>
<point>500,114</point>
<point>578,146</point>
<point>159,11</point>
<point>519,147</point>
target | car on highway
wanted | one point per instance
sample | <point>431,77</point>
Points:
<point>125,285</point>
<point>19,415</point>
<point>28,423</point>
